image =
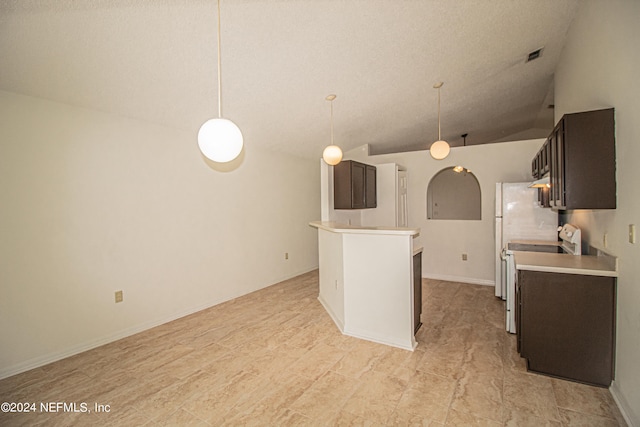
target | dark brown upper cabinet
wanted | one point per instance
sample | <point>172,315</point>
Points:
<point>354,185</point>
<point>580,159</point>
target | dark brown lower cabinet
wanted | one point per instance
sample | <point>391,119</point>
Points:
<point>417,291</point>
<point>566,325</point>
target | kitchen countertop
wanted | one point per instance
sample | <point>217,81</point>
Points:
<point>537,242</point>
<point>589,265</point>
<point>337,227</point>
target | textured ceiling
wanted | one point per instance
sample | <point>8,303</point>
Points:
<point>155,60</point>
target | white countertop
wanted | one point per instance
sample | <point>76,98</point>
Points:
<point>564,263</point>
<point>337,227</point>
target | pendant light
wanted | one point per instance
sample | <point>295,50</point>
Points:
<point>439,149</point>
<point>220,139</point>
<point>332,155</point>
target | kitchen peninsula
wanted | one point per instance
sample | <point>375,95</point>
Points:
<point>370,281</point>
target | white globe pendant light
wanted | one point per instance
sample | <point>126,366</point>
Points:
<point>439,149</point>
<point>220,140</point>
<point>332,154</point>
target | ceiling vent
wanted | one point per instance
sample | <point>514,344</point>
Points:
<point>534,55</point>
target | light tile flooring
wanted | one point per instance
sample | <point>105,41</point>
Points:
<point>274,358</point>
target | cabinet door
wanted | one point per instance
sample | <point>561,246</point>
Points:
<point>354,185</point>
<point>581,161</point>
<point>417,291</point>
<point>546,154</point>
<point>561,194</point>
<point>371,197</point>
<point>342,185</point>
<point>553,169</point>
<point>567,325</point>
<point>358,185</point>
<point>543,197</point>
<point>589,160</point>
<point>557,195</point>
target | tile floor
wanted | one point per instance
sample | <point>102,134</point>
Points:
<point>274,358</point>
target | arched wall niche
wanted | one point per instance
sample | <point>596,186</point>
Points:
<point>454,193</point>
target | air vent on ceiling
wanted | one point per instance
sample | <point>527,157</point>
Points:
<point>534,54</point>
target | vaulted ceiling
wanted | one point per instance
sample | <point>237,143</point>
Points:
<point>156,61</point>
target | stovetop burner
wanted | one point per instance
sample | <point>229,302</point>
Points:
<point>569,243</point>
<point>528,247</point>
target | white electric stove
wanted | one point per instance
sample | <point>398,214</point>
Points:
<point>570,242</point>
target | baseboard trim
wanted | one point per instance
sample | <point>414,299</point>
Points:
<point>363,336</point>
<point>623,406</point>
<point>89,345</point>
<point>331,314</point>
<point>37,362</point>
<point>411,346</point>
<point>461,279</point>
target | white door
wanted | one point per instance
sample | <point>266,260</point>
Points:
<point>402,220</point>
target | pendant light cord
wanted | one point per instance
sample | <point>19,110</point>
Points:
<point>331,103</point>
<point>219,68</point>
<point>439,138</point>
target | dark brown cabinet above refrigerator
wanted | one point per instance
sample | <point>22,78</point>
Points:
<point>579,158</point>
<point>354,185</point>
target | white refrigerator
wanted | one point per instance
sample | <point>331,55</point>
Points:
<point>519,217</point>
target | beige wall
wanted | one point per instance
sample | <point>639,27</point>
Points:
<point>454,195</point>
<point>599,68</point>
<point>92,203</point>
<point>445,241</point>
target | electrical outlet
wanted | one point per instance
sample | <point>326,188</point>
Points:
<point>119,296</point>
<point>632,233</point>
<point>286,255</point>
<point>464,257</point>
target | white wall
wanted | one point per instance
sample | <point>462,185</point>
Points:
<point>599,68</point>
<point>92,203</point>
<point>444,241</point>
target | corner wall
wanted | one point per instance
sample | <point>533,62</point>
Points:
<point>91,203</point>
<point>599,69</point>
